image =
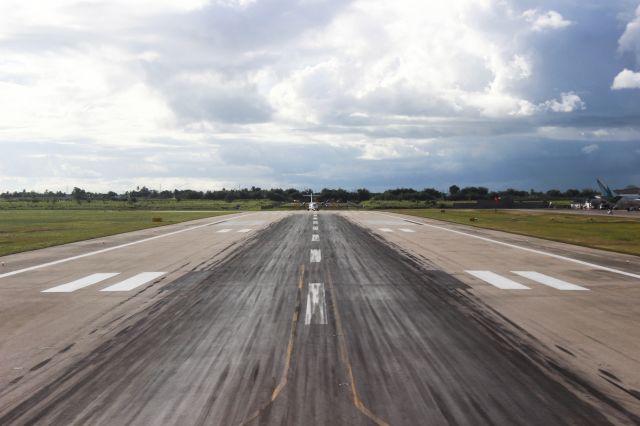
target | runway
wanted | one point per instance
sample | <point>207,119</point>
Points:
<point>333,318</point>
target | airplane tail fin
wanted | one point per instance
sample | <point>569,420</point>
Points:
<point>606,191</point>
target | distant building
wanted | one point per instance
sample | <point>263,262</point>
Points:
<point>629,190</point>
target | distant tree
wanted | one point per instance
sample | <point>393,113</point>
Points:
<point>454,189</point>
<point>78,194</point>
<point>363,194</point>
<point>431,194</point>
<point>572,193</point>
<point>588,193</point>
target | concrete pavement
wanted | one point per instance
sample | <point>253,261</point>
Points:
<point>332,318</point>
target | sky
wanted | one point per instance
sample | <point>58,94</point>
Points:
<point>206,94</point>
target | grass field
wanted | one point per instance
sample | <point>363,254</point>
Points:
<point>620,234</point>
<point>168,204</point>
<point>22,230</point>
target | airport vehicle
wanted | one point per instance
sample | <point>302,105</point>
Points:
<point>313,206</point>
<point>617,201</point>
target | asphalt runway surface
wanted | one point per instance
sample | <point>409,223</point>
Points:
<point>301,319</point>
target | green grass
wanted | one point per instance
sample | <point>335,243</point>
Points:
<point>168,204</point>
<point>22,230</point>
<point>619,234</point>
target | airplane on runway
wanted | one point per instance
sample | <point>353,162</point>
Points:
<point>617,201</point>
<point>313,206</point>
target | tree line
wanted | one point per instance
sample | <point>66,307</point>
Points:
<point>455,193</point>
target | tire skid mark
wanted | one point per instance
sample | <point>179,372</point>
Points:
<point>290,347</point>
<point>344,354</point>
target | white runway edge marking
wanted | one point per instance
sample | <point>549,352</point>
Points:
<point>315,237</point>
<point>135,281</point>
<point>80,256</point>
<point>222,231</point>
<point>386,230</point>
<point>549,281</point>
<point>316,307</point>
<point>498,280</point>
<point>315,256</point>
<point>244,230</point>
<point>530,250</point>
<point>81,283</point>
<point>407,230</point>
<point>315,228</point>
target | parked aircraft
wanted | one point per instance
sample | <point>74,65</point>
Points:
<point>617,201</point>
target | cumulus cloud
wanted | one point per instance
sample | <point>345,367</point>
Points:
<point>630,39</point>
<point>629,42</point>
<point>626,79</point>
<point>544,21</point>
<point>568,102</point>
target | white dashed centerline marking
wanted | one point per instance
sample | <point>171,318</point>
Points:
<point>316,306</point>
<point>386,230</point>
<point>315,237</point>
<point>407,230</point>
<point>135,281</point>
<point>315,228</point>
<point>222,231</point>
<point>244,230</point>
<point>549,281</point>
<point>315,256</point>
<point>81,283</point>
<point>497,280</point>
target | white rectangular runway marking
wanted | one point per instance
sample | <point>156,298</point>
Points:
<point>315,256</point>
<point>549,281</point>
<point>135,281</point>
<point>81,283</point>
<point>386,230</point>
<point>222,231</point>
<point>316,306</point>
<point>244,230</point>
<point>407,230</point>
<point>315,237</point>
<point>497,280</point>
<point>315,228</point>
<point>530,250</point>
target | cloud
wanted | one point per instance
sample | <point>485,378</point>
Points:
<point>569,102</point>
<point>550,20</point>
<point>391,149</point>
<point>629,41</point>
<point>567,133</point>
<point>590,149</point>
<point>290,92</point>
<point>626,79</point>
